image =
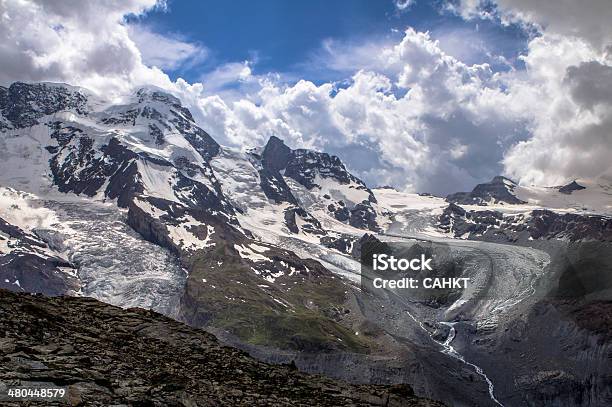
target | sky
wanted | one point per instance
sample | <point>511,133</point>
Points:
<point>429,96</point>
<point>290,37</point>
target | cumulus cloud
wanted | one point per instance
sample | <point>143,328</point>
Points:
<point>566,87</point>
<point>422,120</point>
<point>571,113</point>
<point>589,19</point>
<point>71,41</point>
<point>414,116</point>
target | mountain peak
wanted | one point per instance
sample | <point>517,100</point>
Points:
<point>157,94</point>
<point>276,154</point>
<point>571,187</point>
<point>499,190</point>
<point>500,179</point>
<point>22,104</point>
<point>321,175</point>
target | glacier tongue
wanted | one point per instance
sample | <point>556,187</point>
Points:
<point>114,263</point>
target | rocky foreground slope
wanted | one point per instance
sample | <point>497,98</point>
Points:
<point>107,355</point>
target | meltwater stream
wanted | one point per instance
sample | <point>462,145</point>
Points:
<point>450,350</point>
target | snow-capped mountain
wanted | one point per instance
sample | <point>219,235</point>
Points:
<point>224,213</point>
<point>501,193</point>
<point>179,189</point>
<point>536,224</point>
<point>576,211</point>
<point>135,204</point>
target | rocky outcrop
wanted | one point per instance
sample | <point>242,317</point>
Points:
<point>537,224</point>
<point>343,243</point>
<point>571,187</point>
<point>78,167</point>
<point>308,223</point>
<point>349,244</point>
<point>498,190</point>
<point>105,355</point>
<point>307,168</point>
<point>363,216</point>
<point>29,265</point>
<point>22,104</point>
<point>546,224</point>
<point>366,246</point>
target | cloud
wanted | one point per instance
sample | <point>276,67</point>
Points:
<point>419,118</point>
<point>81,43</point>
<point>588,19</point>
<point>590,84</point>
<point>571,113</point>
<point>409,113</point>
<point>395,113</point>
<point>165,51</point>
<point>566,86</point>
<point>346,57</point>
<point>403,5</point>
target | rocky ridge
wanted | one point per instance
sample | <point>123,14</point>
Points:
<point>106,355</point>
<point>538,224</point>
<point>29,265</point>
<point>499,190</point>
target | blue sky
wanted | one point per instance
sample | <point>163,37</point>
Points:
<point>287,36</point>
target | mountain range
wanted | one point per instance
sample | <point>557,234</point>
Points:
<point>134,204</point>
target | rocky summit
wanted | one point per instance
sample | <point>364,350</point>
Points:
<point>499,189</point>
<point>106,355</point>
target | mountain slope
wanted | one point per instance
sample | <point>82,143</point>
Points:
<point>27,263</point>
<point>165,177</point>
<point>501,193</point>
<point>106,355</point>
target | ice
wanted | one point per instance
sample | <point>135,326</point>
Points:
<point>246,252</point>
<point>351,193</point>
<point>596,198</point>
<point>239,179</point>
<point>20,209</point>
<point>158,180</point>
<point>115,264</point>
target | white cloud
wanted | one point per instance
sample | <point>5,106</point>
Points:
<point>71,41</point>
<point>232,80</point>
<point>571,113</point>
<point>393,115</point>
<point>422,119</point>
<point>587,19</point>
<point>411,114</point>
<point>165,51</point>
<point>566,88</point>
